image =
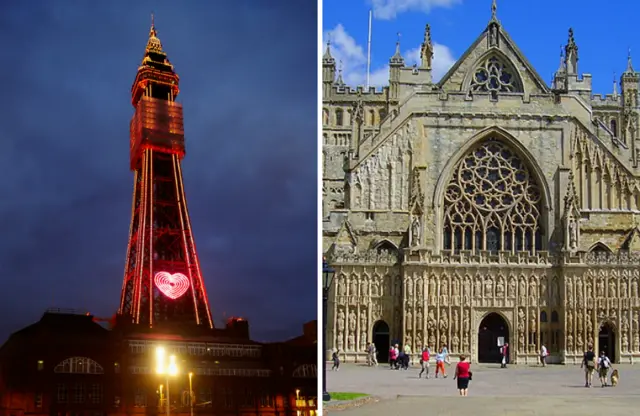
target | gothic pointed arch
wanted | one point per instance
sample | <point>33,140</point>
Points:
<point>600,247</point>
<point>384,244</point>
<point>492,196</point>
<point>493,73</point>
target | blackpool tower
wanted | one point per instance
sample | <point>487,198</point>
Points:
<point>163,284</point>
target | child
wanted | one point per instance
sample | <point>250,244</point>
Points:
<point>336,361</point>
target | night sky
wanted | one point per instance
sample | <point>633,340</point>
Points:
<point>248,86</point>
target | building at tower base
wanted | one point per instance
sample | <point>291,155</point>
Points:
<point>69,364</point>
<point>483,209</point>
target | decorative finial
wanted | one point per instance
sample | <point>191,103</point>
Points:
<point>398,38</point>
<point>427,34</point>
<point>629,65</point>
<point>152,20</point>
<point>340,66</point>
<point>615,85</point>
<point>494,9</point>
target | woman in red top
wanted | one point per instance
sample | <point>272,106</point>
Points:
<point>463,375</point>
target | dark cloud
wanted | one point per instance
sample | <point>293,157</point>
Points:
<point>248,86</point>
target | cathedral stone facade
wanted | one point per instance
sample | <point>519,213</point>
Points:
<point>488,207</point>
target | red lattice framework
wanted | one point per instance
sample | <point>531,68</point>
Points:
<point>162,277</point>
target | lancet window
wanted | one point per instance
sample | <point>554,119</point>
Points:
<point>492,202</point>
<point>494,76</point>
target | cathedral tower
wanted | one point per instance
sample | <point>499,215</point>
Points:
<point>162,279</point>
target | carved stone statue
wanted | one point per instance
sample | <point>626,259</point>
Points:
<point>521,319</point>
<point>570,321</point>
<point>533,322</point>
<point>599,289</point>
<point>409,288</point>
<point>340,341</point>
<point>455,342</point>
<point>500,287</point>
<point>353,288</point>
<point>543,287</point>
<point>352,321</point>
<point>569,342</point>
<point>466,323</point>
<point>521,341</point>
<point>588,321</point>
<point>415,232</point>
<point>351,342</point>
<point>363,320</point>
<point>375,288</point>
<point>467,291</point>
<point>579,342</point>
<point>522,290</point>
<point>444,321</point>
<point>488,287</point>
<point>364,287</point>
<point>342,287</point>
<point>573,234</point>
<point>625,342</point>
<point>419,319</point>
<point>478,287</point>
<point>443,339</point>
<point>612,289</point>
<point>340,320</point>
<point>363,341</point>
<point>432,289</point>
<point>419,289</point>
<point>579,321</point>
<point>511,291</point>
<point>624,292</point>
<point>432,340</point>
<point>455,321</point>
<point>409,321</point>
<point>634,288</point>
<point>431,321</point>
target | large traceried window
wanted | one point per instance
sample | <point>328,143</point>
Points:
<point>494,76</point>
<point>492,202</point>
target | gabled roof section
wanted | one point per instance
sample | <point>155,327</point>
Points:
<point>494,40</point>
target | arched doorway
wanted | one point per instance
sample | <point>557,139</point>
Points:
<point>381,340</point>
<point>607,341</point>
<point>493,328</point>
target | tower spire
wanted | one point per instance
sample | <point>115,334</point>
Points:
<point>571,54</point>
<point>629,64</point>
<point>494,10</point>
<point>397,56</point>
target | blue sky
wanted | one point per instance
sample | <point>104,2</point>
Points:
<point>248,82</point>
<point>604,33</point>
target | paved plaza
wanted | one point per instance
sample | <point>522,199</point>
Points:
<point>517,390</point>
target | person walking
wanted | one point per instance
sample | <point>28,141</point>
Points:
<point>504,352</point>
<point>335,357</point>
<point>424,363</point>
<point>440,357</point>
<point>407,352</point>
<point>372,360</point>
<point>393,356</point>
<point>463,375</point>
<point>543,355</point>
<point>603,368</point>
<point>589,365</point>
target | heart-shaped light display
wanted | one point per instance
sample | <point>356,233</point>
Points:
<point>171,285</point>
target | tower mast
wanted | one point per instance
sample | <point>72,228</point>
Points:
<point>162,282</point>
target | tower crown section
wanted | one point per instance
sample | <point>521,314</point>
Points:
<point>158,122</point>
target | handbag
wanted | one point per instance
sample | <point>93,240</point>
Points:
<point>470,375</point>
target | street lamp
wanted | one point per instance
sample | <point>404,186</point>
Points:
<point>166,369</point>
<point>191,392</point>
<point>327,280</point>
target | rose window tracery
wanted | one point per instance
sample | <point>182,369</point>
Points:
<point>492,202</point>
<point>494,76</point>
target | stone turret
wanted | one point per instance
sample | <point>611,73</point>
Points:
<point>328,70</point>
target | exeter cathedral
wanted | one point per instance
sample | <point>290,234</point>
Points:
<point>484,209</point>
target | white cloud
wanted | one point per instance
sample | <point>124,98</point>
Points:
<point>353,59</point>
<point>389,9</point>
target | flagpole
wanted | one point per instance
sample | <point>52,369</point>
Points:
<point>369,49</point>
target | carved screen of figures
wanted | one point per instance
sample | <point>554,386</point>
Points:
<point>492,202</point>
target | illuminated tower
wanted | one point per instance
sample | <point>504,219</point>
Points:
<point>162,279</point>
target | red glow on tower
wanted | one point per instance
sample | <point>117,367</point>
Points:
<point>162,277</point>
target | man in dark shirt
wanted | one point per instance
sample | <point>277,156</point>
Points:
<point>589,363</point>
